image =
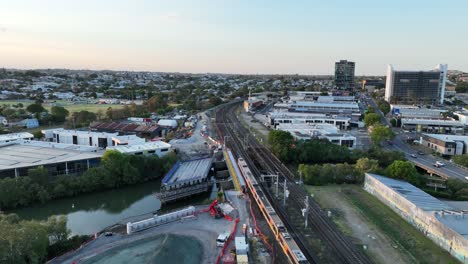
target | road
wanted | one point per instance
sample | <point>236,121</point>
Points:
<point>427,161</point>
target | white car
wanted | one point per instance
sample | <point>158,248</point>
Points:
<point>439,164</point>
<point>466,178</point>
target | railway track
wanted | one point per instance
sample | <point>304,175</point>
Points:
<point>260,159</point>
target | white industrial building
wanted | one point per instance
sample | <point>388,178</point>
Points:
<point>90,138</point>
<point>167,123</point>
<point>15,137</point>
<point>443,224</point>
<point>17,157</point>
<point>158,148</point>
<point>78,137</point>
<point>419,113</point>
<point>321,131</point>
<point>433,126</point>
<point>278,117</point>
<point>462,117</point>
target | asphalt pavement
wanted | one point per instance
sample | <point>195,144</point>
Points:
<point>424,161</point>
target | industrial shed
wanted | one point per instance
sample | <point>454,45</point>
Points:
<point>444,225</point>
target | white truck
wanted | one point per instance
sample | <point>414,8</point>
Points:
<point>221,240</point>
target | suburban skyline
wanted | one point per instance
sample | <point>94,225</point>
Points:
<point>244,37</point>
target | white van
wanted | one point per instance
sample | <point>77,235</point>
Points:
<point>222,238</point>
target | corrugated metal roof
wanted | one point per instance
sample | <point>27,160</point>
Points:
<point>413,194</point>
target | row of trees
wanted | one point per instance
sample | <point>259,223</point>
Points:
<point>33,241</point>
<point>289,150</point>
<point>116,170</point>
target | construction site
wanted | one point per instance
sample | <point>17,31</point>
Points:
<point>229,229</point>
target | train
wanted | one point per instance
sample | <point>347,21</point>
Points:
<point>289,246</point>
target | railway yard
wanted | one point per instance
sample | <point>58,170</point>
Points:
<point>334,246</point>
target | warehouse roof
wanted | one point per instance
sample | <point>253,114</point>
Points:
<point>15,136</point>
<point>448,138</point>
<point>21,156</point>
<point>431,122</point>
<point>140,147</point>
<point>413,194</point>
<point>188,170</point>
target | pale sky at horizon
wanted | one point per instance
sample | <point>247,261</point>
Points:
<point>234,36</point>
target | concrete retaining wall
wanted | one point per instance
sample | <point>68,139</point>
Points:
<point>159,220</point>
<point>425,221</point>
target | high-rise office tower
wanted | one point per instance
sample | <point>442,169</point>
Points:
<point>416,87</point>
<point>344,74</point>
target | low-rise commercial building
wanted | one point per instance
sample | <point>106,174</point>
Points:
<point>419,113</point>
<point>78,137</point>
<point>13,137</point>
<point>321,131</point>
<point>158,148</point>
<point>446,144</point>
<point>441,223</point>
<point>276,118</point>
<point>433,126</point>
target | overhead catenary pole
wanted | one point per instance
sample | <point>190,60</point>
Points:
<point>306,210</point>
<point>285,190</point>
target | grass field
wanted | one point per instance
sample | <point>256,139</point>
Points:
<point>68,105</point>
<point>403,234</point>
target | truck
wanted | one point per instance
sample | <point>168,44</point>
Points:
<point>222,238</point>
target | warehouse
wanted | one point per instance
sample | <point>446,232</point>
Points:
<point>444,225</point>
<point>158,148</point>
<point>321,131</point>
<point>433,126</point>
<point>17,158</point>
<point>277,118</point>
<point>8,138</point>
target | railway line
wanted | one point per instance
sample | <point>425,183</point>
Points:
<point>262,161</point>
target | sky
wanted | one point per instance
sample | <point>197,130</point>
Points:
<point>234,36</point>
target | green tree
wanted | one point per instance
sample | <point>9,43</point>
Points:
<point>462,87</point>
<point>371,119</point>
<point>281,143</point>
<point>39,175</point>
<point>364,165</point>
<point>35,108</point>
<point>403,170</point>
<point>57,228</point>
<point>380,133</point>
<point>156,102</point>
<point>384,107</point>
<point>59,114</point>
<point>461,160</point>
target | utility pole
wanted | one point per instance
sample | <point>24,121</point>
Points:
<point>305,211</point>
<point>285,193</point>
<point>277,183</point>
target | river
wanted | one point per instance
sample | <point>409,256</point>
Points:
<point>91,213</point>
